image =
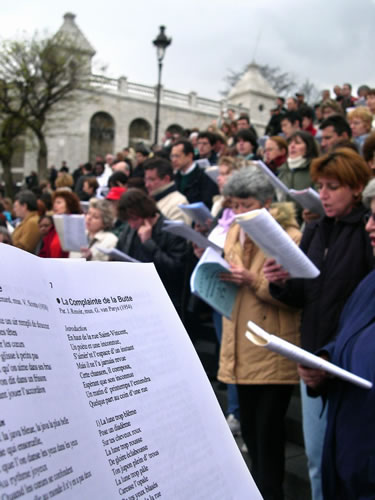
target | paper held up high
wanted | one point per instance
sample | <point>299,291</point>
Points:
<point>198,212</point>
<point>72,232</point>
<point>307,198</point>
<point>275,242</point>
<point>264,339</point>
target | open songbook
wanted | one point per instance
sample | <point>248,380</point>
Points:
<point>206,284</point>
<point>275,242</point>
<point>264,339</point>
<point>72,232</point>
<point>102,393</point>
<point>307,198</point>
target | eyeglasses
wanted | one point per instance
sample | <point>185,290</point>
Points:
<point>369,216</point>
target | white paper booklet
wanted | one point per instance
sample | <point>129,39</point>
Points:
<point>102,394</point>
<point>203,163</point>
<point>188,233</point>
<point>212,172</point>
<point>116,254</point>
<point>307,198</point>
<point>264,339</point>
<point>206,284</point>
<point>72,232</point>
<point>274,180</point>
<point>275,242</point>
<point>198,212</point>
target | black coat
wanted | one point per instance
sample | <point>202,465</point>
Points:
<point>165,250</point>
<point>199,188</point>
<point>342,252</point>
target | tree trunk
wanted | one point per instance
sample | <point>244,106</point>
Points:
<point>42,157</point>
<point>8,177</point>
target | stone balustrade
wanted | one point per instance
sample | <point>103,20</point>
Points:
<point>168,97</point>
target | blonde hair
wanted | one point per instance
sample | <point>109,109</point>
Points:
<point>361,113</point>
<point>64,180</point>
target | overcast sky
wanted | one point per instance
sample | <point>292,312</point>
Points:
<point>326,41</point>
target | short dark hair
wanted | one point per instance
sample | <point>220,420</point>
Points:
<point>28,198</point>
<point>244,116</point>
<point>46,198</point>
<point>187,146</point>
<point>136,202</point>
<point>117,177</point>
<point>142,150</point>
<point>207,135</point>
<point>312,150</point>
<point>348,85</point>
<point>292,117</point>
<point>220,137</point>
<point>368,149</point>
<point>339,124</point>
<point>92,183</point>
<point>88,167</point>
<point>247,136</point>
<point>162,166</point>
<point>363,87</point>
<point>307,112</point>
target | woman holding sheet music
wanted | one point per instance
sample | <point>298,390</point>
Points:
<point>264,379</point>
<point>294,173</point>
<point>99,224</point>
<point>63,202</point>
<point>340,248</point>
<point>349,447</point>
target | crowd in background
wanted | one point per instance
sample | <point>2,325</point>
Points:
<point>127,197</point>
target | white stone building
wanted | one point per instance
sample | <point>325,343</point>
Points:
<point>115,112</point>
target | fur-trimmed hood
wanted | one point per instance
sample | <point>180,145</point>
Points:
<point>285,214</point>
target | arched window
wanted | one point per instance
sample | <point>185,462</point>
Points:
<point>102,135</point>
<point>139,131</point>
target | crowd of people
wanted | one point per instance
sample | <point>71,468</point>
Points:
<point>127,198</point>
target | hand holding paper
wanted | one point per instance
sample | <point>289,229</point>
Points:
<point>264,339</point>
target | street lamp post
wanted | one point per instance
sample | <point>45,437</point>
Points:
<point>161,43</point>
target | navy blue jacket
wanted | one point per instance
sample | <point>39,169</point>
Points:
<point>349,449</point>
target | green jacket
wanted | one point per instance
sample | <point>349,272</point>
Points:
<point>298,178</point>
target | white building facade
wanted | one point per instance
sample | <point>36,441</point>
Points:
<point>113,113</point>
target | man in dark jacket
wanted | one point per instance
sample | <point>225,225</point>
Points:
<point>143,239</point>
<point>190,179</point>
